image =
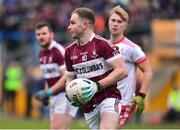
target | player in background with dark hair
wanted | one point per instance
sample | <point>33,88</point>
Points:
<point>51,59</point>
<point>134,57</point>
<point>95,58</point>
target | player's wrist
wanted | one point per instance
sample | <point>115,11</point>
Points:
<point>99,86</point>
<point>143,95</point>
<point>49,92</point>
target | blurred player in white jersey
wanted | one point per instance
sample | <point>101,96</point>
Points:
<point>94,57</point>
<point>134,57</point>
<point>51,59</point>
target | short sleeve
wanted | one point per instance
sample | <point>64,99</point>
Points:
<point>109,51</point>
<point>138,56</point>
<point>59,58</point>
<point>69,69</point>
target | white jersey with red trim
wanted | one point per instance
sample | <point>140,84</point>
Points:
<point>132,55</point>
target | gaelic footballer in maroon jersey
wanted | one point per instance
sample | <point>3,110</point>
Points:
<point>89,61</point>
<point>51,60</point>
<point>93,57</point>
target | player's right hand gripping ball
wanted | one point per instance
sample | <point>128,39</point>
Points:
<point>139,101</point>
<point>80,91</point>
<point>89,90</point>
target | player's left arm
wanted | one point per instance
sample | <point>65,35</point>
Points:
<point>43,95</point>
<point>139,100</point>
<point>60,84</point>
<point>146,70</point>
<point>118,73</point>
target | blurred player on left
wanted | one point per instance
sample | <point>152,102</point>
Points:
<point>51,59</point>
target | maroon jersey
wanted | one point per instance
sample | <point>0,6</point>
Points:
<point>51,61</point>
<point>91,61</point>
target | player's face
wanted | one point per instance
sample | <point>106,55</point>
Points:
<point>75,27</point>
<point>116,24</point>
<point>44,36</point>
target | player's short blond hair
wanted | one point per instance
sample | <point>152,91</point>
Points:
<point>121,12</point>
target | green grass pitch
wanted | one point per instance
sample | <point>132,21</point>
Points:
<point>16,123</point>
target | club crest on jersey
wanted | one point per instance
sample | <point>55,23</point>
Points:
<point>74,57</point>
<point>94,55</point>
<point>116,50</point>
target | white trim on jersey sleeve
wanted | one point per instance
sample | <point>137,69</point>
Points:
<point>137,54</point>
<point>58,46</point>
<point>113,58</point>
<point>61,48</point>
<point>68,73</point>
<point>62,67</point>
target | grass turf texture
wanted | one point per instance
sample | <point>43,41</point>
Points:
<point>15,123</point>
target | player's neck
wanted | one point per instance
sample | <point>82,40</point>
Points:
<point>86,37</point>
<point>116,38</point>
<point>47,46</point>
